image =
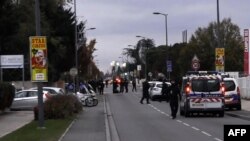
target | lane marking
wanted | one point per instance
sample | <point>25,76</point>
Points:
<point>206,133</point>
<point>197,129</point>
<point>218,139</point>
<point>186,124</point>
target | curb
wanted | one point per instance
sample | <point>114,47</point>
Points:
<point>111,131</point>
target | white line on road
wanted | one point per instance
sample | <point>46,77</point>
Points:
<point>206,133</point>
<point>179,121</point>
<point>186,124</point>
<point>197,129</point>
<point>218,139</point>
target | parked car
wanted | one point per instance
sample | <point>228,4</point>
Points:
<point>155,90</point>
<point>27,99</point>
<point>51,90</point>
<point>232,94</point>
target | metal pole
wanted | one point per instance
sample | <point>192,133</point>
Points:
<point>39,84</point>
<point>218,23</point>
<point>166,22</point>
<point>76,48</point>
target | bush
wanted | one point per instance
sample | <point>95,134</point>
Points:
<point>7,94</point>
<point>61,106</point>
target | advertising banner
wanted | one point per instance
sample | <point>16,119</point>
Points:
<point>220,59</point>
<point>246,51</point>
<point>38,59</point>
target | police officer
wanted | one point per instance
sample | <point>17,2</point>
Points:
<point>164,91</point>
<point>145,94</point>
<point>174,94</point>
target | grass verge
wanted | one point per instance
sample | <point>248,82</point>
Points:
<point>30,132</point>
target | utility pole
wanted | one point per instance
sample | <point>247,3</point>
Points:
<point>39,84</point>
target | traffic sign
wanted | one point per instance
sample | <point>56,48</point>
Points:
<point>169,66</point>
<point>195,63</point>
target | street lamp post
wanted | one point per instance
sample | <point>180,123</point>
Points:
<point>166,24</point>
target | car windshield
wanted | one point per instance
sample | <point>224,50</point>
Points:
<point>229,85</point>
<point>159,85</point>
<point>205,85</point>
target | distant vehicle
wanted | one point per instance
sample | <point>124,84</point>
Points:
<point>52,90</point>
<point>27,99</point>
<point>232,93</point>
<point>202,92</point>
<point>155,90</point>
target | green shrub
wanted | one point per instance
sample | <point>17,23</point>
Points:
<point>7,94</point>
<point>61,106</point>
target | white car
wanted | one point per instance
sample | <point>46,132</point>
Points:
<point>155,89</point>
<point>27,99</point>
<point>232,94</point>
<point>52,90</point>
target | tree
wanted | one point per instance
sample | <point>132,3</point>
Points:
<point>205,40</point>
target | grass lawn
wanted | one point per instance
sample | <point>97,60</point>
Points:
<point>30,132</point>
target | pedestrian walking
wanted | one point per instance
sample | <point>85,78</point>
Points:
<point>174,96</point>
<point>145,94</point>
<point>164,91</point>
<point>101,87</point>
<point>133,85</point>
<point>126,85</point>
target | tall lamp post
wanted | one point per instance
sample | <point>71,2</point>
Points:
<point>166,24</point>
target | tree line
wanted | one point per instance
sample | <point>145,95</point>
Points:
<point>202,44</point>
<point>17,24</point>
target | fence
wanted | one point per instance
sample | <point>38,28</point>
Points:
<point>244,85</point>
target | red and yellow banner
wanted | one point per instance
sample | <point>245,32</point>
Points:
<point>220,59</point>
<point>38,59</point>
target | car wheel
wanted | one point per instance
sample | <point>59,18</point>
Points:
<point>221,114</point>
<point>89,102</point>
<point>238,107</point>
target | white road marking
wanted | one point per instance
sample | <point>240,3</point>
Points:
<point>197,129</point>
<point>206,133</point>
<point>186,124</point>
<point>218,139</point>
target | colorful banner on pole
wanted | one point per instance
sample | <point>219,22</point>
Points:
<point>38,59</point>
<point>220,59</point>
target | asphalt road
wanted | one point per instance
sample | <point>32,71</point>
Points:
<point>147,122</point>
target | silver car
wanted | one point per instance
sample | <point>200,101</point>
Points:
<point>51,90</point>
<point>27,99</point>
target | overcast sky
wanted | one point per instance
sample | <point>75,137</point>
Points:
<point>117,22</point>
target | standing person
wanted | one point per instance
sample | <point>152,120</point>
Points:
<point>133,85</point>
<point>174,94</point>
<point>164,91</point>
<point>126,85</point>
<point>145,94</point>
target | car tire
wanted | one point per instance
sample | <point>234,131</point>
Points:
<point>238,107</point>
<point>221,114</point>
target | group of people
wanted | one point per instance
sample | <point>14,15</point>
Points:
<point>172,94</point>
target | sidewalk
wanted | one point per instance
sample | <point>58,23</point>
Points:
<point>90,124</point>
<point>12,120</point>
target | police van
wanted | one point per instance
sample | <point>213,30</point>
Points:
<point>202,92</point>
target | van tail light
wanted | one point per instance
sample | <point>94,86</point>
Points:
<point>238,91</point>
<point>223,89</point>
<point>187,90</point>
